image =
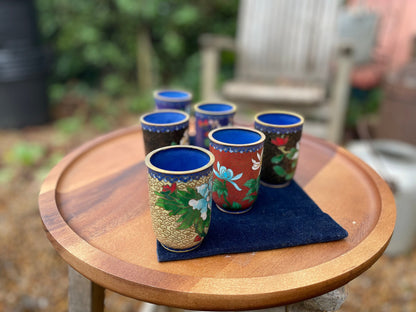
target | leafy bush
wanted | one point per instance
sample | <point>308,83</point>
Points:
<point>122,46</point>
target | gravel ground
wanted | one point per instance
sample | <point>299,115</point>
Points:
<point>34,278</point>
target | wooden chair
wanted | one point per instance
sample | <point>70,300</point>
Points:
<point>286,58</point>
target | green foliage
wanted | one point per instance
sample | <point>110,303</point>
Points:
<point>24,154</point>
<point>69,125</point>
<point>6,175</point>
<point>363,103</point>
<point>140,103</point>
<point>95,41</point>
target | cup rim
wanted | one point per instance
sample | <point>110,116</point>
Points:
<point>142,121</point>
<point>259,141</point>
<point>156,95</point>
<point>202,111</point>
<point>149,164</point>
<point>283,112</point>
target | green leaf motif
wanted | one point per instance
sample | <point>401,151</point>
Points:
<point>277,159</point>
<point>250,197</point>
<point>292,153</point>
<point>289,176</point>
<point>279,171</point>
<point>236,206</point>
<point>220,188</point>
<point>252,184</point>
<point>177,203</point>
<point>294,163</point>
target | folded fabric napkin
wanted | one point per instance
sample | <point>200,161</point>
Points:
<point>284,217</point>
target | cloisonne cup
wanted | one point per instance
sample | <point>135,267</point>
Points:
<point>238,155</point>
<point>180,195</point>
<point>209,116</point>
<point>163,128</point>
<point>283,132</point>
<point>172,99</point>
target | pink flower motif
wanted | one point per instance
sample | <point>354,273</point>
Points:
<point>203,123</point>
<point>280,141</point>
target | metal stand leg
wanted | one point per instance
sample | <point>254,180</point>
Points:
<point>84,295</point>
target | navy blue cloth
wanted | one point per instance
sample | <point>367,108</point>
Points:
<point>284,217</point>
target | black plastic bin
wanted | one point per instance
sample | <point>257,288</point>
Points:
<point>18,23</point>
<point>23,90</point>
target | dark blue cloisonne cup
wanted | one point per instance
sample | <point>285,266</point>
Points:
<point>283,132</point>
<point>163,128</point>
<point>180,195</point>
<point>173,99</point>
<point>209,116</point>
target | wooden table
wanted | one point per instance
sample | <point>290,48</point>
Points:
<point>94,209</point>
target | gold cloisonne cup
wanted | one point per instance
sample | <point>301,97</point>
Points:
<point>180,195</point>
<point>283,132</point>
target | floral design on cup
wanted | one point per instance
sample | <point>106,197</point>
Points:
<point>256,162</point>
<point>180,195</point>
<point>193,206</point>
<point>291,155</point>
<point>209,116</point>
<point>283,132</point>
<point>206,125</point>
<point>163,128</point>
<point>227,175</point>
<point>203,204</point>
<point>238,155</point>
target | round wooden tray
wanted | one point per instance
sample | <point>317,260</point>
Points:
<point>94,208</point>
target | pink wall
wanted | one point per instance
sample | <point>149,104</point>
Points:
<point>396,30</point>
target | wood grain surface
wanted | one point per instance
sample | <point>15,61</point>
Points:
<point>94,208</point>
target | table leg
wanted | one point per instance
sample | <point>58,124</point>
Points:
<point>84,295</point>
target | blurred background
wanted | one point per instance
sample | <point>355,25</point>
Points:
<point>71,70</point>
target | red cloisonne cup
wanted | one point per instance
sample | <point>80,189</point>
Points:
<point>238,156</point>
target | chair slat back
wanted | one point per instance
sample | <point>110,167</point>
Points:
<point>279,40</point>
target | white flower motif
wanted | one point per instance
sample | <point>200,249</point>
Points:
<point>204,203</point>
<point>256,163</point>
<point>185,138</point>
<point>296,155</point>
<point>214,123</point>
<point>227,175</point>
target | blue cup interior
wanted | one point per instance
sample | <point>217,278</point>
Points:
<point>216,107</point>
<point>180,159</point>
<point>164,117</point>
<point>236,136</point>
<point>174,94</point>
<point>279,119</point>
